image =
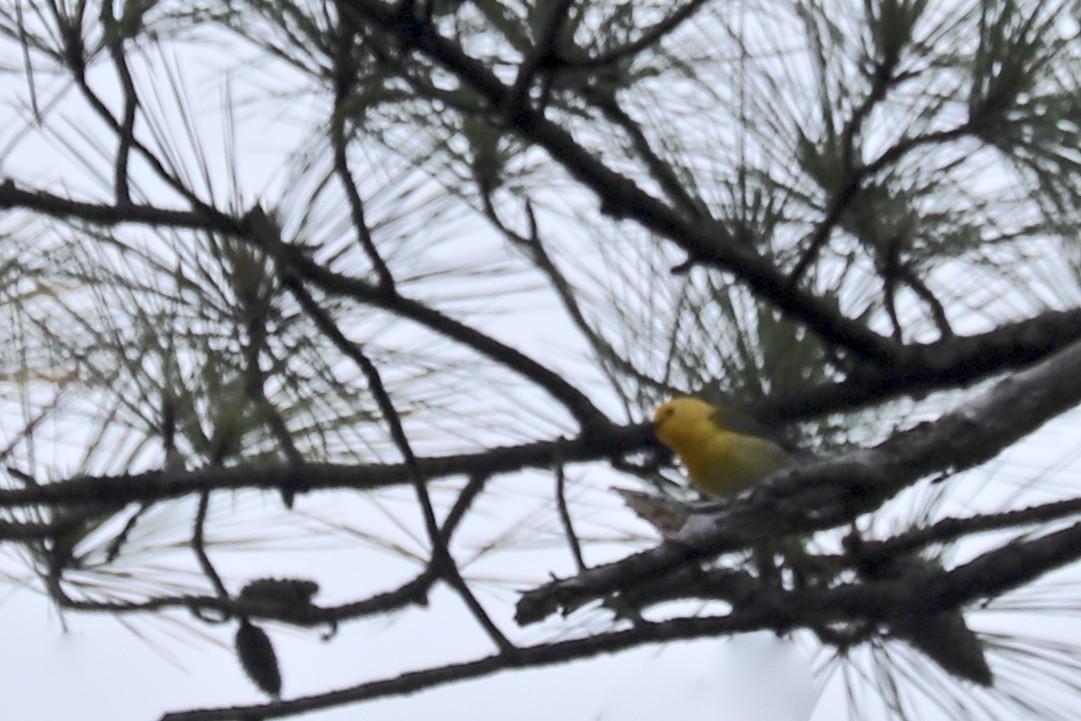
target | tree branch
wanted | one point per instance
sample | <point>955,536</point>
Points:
<point>776,609</point>
<point>835,491</point>
<point>162,484</point>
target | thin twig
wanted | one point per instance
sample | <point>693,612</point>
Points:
<point>441,557</point>
<point>111,31</point>
<point>650,36</point>
<point>345,76</point>
<point>546,49</point>
<point>564,514</point>
<point>199,547</point>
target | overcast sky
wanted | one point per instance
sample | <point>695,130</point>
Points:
<point>94,667</point>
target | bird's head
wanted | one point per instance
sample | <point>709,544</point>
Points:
<point>675,418</point>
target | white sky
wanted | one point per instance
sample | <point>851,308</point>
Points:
<point>98,669</point>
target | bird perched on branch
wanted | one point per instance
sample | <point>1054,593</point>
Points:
<point>726,451</point>
<point>723,450</point>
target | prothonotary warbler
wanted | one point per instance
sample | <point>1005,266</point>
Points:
<point>722,449</point>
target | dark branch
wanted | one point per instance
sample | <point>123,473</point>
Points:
<point>882,601</point>
<point>622,197</point>
<point>834,492</point>
<point>162,484</point>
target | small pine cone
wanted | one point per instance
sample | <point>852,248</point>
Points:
<point>258,658</point>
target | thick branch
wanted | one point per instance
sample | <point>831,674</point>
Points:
<point>836,491</point>
<point>622,197</point>
<point>968,360</point>
<point>109,215</point>
<point>155,485</point>
<point>910,595</point>
<point>949,363</point>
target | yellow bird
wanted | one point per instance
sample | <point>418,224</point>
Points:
<point>723,450</point>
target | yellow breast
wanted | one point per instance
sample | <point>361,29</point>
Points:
<point>718,461</point>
